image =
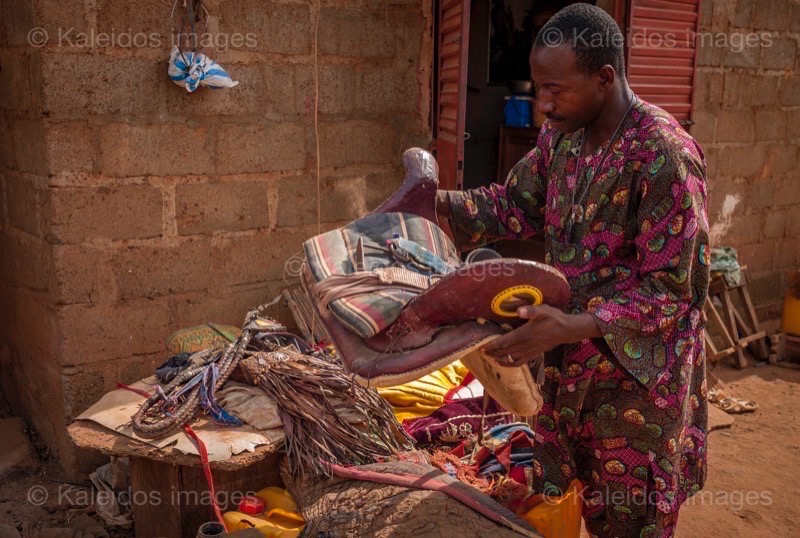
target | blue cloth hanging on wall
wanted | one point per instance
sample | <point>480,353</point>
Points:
<point>194,69</point>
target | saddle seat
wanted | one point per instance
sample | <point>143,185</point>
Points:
<point>397,302</point>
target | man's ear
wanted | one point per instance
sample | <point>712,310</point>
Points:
<point>606,76</point>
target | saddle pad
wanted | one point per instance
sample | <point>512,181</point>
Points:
<point>335,253</point>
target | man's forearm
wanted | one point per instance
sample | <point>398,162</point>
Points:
<point>583,326</point>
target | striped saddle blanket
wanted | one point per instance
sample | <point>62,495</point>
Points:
<point>367,271</point>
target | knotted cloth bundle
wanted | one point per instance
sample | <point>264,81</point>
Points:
<point>193,69</point>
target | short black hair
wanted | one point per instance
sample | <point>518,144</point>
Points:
<point>594,35</point>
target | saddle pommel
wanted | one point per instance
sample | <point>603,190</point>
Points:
<point>417,194</point>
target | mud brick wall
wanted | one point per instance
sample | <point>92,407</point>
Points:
<point>131,208</point>
<point>747,114</point>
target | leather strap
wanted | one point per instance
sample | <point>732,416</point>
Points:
<point>340,286</point>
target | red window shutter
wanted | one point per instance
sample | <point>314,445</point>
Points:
<point>452,91</point>
<point>661,53</point>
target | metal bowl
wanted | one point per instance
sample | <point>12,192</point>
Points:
<point>520,87</point>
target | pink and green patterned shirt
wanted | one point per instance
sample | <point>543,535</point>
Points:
<point>636,256</point>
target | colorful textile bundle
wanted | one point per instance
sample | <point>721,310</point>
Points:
<point>506,449</point>
<point>499,465</point>
<point>445,406</point>
<point>726,261</point>
<point>193,69</point>
<point>457,421</point>
<point>453,465</point>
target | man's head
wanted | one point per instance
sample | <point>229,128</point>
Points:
<point>577,65</point>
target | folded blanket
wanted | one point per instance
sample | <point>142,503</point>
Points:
<point>423,396</point>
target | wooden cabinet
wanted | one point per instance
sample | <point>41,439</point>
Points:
<point>515,143</point>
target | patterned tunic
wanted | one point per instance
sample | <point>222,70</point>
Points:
<point>626,413</point>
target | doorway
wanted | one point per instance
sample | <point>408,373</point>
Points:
<point>480,45</point>
<point>501,35</point>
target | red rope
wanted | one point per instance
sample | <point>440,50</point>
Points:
<point>201,447</point>
<point>469,378</point>
<point>133,389</point>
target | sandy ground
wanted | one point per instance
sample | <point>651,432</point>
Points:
<point>753,466</point>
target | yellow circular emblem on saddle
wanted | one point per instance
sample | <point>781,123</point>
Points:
<point>531,292</point>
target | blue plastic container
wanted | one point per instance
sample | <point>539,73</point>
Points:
<point>518,111</point>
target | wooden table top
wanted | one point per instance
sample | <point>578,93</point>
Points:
<point>93,436</point>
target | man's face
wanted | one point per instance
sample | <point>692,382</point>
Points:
<point>568,97</point>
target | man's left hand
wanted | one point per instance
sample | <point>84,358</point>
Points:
<point>547,327</point>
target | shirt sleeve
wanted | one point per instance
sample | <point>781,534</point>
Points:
<point>514,210</point>
<point>654,325</point>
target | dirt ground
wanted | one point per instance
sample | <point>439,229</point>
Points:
<point>752,466</point>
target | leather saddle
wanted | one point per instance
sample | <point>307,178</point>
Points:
<point>397,302</point>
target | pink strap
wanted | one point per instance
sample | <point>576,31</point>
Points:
<point>427,483</point>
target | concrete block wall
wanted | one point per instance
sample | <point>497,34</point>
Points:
<point>747,112</point>
<point>131,208</point>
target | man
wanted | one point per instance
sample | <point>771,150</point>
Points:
<point>617,188</point>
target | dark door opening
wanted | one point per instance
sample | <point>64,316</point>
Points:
<point>501,36</point>
<point>481,44</point>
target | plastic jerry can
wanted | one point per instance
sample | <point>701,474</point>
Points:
<point>272,512</point>
<point>790,321</point>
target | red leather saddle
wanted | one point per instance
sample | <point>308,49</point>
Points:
<point>397,302</point>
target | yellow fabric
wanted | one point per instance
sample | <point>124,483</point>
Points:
<point>558,517</point>
<point>425,395</point>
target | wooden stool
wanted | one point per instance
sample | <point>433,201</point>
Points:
<point>742,322</point>
<point>726,346</point>
<point>169,494</point>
